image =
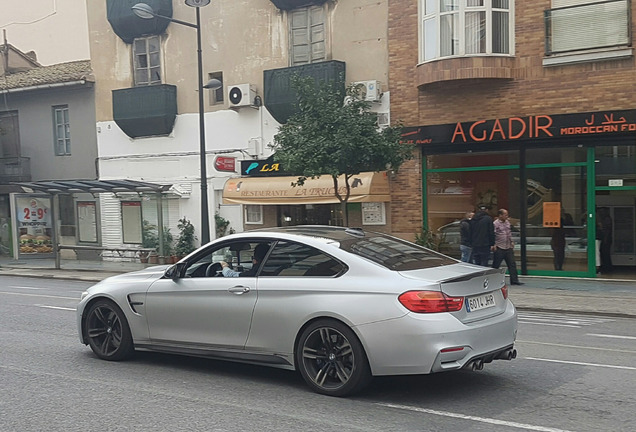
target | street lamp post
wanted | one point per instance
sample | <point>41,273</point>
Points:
<point>143,10</point>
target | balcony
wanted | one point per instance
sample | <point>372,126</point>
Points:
<point>15,169</point>
<point>145,110</point>
<point>588,32</point>
<point>293,4</point>
<point>280,99</point>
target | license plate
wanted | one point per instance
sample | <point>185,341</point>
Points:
<point>483,301</point>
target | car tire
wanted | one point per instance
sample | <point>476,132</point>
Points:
<point>107,331</point>
<point>331,359</point>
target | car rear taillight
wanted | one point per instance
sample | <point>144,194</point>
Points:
<point>430,302</point>
<point>504,291</point>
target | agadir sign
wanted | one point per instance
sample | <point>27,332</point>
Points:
<point>524,128</point>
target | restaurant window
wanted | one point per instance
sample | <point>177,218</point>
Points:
<point>470,27</point>
<point>253,214</point>
<point>614,163</point>
<point>307,35</point>
<point>146,57</point>
<point>61,130</point>
<point>562,247</point>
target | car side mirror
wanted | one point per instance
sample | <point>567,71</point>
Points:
<point>174,271</point>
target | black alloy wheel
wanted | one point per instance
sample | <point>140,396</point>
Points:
<point>107,331</point>
<point>331,359</point>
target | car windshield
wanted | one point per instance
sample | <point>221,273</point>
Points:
<point>394,253</point>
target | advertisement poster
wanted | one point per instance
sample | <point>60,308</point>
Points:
<point>552,214</point>
<point>87,221</point>
<point>34,226</point>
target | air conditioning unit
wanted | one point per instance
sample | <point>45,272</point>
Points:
<point>241,95</point>
<point>370,91</point>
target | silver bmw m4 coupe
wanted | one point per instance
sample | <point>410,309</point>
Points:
<point>339,305</point>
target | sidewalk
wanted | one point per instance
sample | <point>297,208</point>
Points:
<point>586,296</point>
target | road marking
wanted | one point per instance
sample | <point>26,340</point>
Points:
<point>560,320</point>
<point>576,346</point>
<point>25,287</point>
<point>549,324</point>
<point>581,363</point>
<point>56,307</point>
<point>39,295</point>
<point>612,336</point>
<point>473,418</point>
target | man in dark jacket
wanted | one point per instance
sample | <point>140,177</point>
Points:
<point>482,236</point>
<point>464,234</point>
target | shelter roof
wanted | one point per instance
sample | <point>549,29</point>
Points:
<point>54,187</point>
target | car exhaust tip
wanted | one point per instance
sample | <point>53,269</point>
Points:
<point>477,365</point>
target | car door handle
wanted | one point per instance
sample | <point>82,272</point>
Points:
<point>239,289</point>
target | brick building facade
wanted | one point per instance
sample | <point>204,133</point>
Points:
<point>548,70</point>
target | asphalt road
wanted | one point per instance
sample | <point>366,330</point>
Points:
<point>573,373</point>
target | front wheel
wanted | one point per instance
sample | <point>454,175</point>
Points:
<point>108,332</point>
<point>331,359</point>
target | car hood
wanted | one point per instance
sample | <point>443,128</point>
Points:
<point>147,274</point>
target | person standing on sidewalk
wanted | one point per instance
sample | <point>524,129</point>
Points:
<point>482,236</point>
<point>465,246</point>
<point>504,246</point>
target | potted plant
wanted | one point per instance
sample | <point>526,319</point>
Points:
<point>186,238</point>
<point>222,225</point>
<point>167,246</point>
<point>149,239</point>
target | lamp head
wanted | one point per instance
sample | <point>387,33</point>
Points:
<point>213,84</point>
<point>143,10</point>
<point>197,3</point>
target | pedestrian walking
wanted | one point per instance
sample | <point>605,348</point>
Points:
<point>504,246</point>
<point>482,236</point>
<point>465,245</point>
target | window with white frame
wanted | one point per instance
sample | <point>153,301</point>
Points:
<point>253,214</point>
<point>465,28</point>
<point>61,130</point>
<point>576,25</point>
<point>307,35</point>
<point>146,57</point>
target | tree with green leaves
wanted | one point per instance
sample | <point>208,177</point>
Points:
<point>334,135</point>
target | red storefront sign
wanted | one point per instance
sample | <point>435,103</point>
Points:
<point>223,163</point>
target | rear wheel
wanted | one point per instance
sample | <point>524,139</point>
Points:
<point>107,331</point>
<point>331,359</point>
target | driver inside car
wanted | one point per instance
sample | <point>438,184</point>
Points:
<point>259,254</point>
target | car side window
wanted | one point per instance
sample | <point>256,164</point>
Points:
<point>295,260</point>
<point>237,254</point>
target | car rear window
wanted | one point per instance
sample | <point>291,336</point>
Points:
<point>394,253</point>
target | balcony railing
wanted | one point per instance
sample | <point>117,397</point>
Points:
<point>280,98</point>
<point>591,26</point>
<point>15,169</point>
<point>145,110</point>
